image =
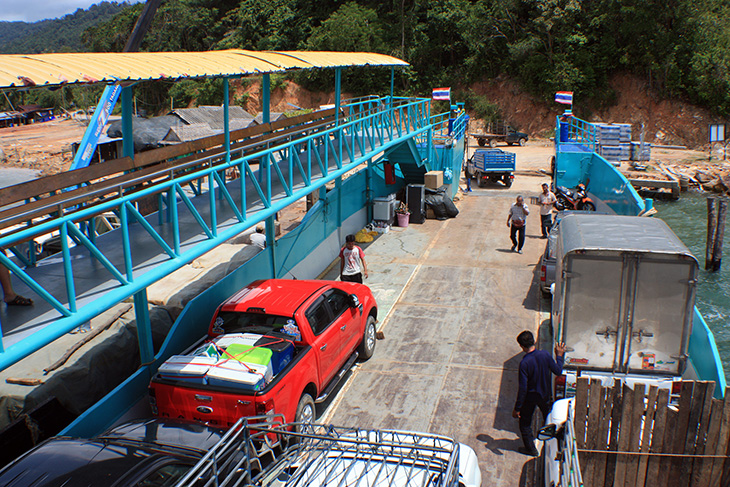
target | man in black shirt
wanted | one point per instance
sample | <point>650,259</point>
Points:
<point>535,386</point>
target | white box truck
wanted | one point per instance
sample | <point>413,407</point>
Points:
<point>623,301</point>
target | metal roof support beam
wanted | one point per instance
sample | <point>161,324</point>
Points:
<point>226,123</point>
<point>338,210</point>
<point>338,83</point>
<point>266,98</point>
<point>392,84</point>
<point>368,190</point>
<point>127,127</point>
<point>144,327</point>
<point>271,242</point>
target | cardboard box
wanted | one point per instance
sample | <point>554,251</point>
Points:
<point>429,214</point>
<point>433,179</point>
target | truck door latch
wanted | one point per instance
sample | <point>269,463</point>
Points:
<point>641,334</point>
<point>607,333</point>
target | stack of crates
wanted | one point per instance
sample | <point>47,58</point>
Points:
<point>639,154</point>
<point>614,141</point>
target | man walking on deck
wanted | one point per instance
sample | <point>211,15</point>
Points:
<point>547,200</point>
<point>535,386</point>
<point>352,261</point>
<point>516,219</point>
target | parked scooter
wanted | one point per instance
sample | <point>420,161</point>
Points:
<point>573,200</point>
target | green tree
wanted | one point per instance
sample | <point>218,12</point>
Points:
<point>351,28</point>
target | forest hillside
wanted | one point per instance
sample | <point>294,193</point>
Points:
<point>55,35</point>
<point>674,51</point>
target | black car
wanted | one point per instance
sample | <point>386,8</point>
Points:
<point>144,453</point>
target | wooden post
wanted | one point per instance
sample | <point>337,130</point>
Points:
<point>710,232</point>
<point>719,234</point>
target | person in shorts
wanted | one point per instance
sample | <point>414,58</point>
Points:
<point>352,261</point>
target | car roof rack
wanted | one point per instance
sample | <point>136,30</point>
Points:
<point>265,451</point>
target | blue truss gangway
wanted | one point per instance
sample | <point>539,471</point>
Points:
<point>93,273</point>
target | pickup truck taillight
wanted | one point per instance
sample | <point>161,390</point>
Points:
<point>543,272</point>
<point>560,387</point>
<point>266,407</point>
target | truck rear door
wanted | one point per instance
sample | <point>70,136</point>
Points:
<point>662,309</point>
<point>591,311</point>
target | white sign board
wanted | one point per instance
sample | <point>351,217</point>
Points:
<point>717,133</point>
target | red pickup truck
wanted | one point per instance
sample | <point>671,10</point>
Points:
<point>276,347</point>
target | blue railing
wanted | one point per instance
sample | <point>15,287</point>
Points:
<point>287,172</point>
<point>573,130</point>
<point>577,162</point>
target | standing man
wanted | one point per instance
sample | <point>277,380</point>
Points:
<point>535,386</point>
<point>547,200</point>
<point>516,219</point>
<point>352,261</point>
<point>467,176</point>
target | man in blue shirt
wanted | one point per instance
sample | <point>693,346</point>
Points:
<point>535,386</point>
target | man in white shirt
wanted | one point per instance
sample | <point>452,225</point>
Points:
<point>258,239</point>
<point>516,219</point>
<point>547,200</point>
<point>352,261</point>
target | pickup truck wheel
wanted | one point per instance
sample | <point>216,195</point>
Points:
<point>481,142</point>
<point>367,346</point>
<point>492,143</point>
<point>306,410</point>
<point>522,141</point>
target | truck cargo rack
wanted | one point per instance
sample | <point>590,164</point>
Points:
<point>264,451</point>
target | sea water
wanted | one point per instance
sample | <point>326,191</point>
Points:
<point>688,218</point>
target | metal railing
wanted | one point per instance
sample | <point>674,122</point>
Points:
<point>576,130</point>
<point>287,169</point>
<point>261,450</point>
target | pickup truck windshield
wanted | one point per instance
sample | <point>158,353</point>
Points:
<point>242,322</point>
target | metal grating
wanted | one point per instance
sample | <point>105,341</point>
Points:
<point>266,452</point>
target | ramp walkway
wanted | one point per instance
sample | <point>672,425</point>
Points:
<point>230,194</point>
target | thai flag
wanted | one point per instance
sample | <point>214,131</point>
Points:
<point>564,97</point>
<point>441,94</point>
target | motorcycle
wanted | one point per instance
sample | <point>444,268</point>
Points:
<point>573,200</point>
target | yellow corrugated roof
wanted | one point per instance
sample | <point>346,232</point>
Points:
<point>90,67</point>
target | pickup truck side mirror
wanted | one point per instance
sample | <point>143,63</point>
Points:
<point>547,432</point>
